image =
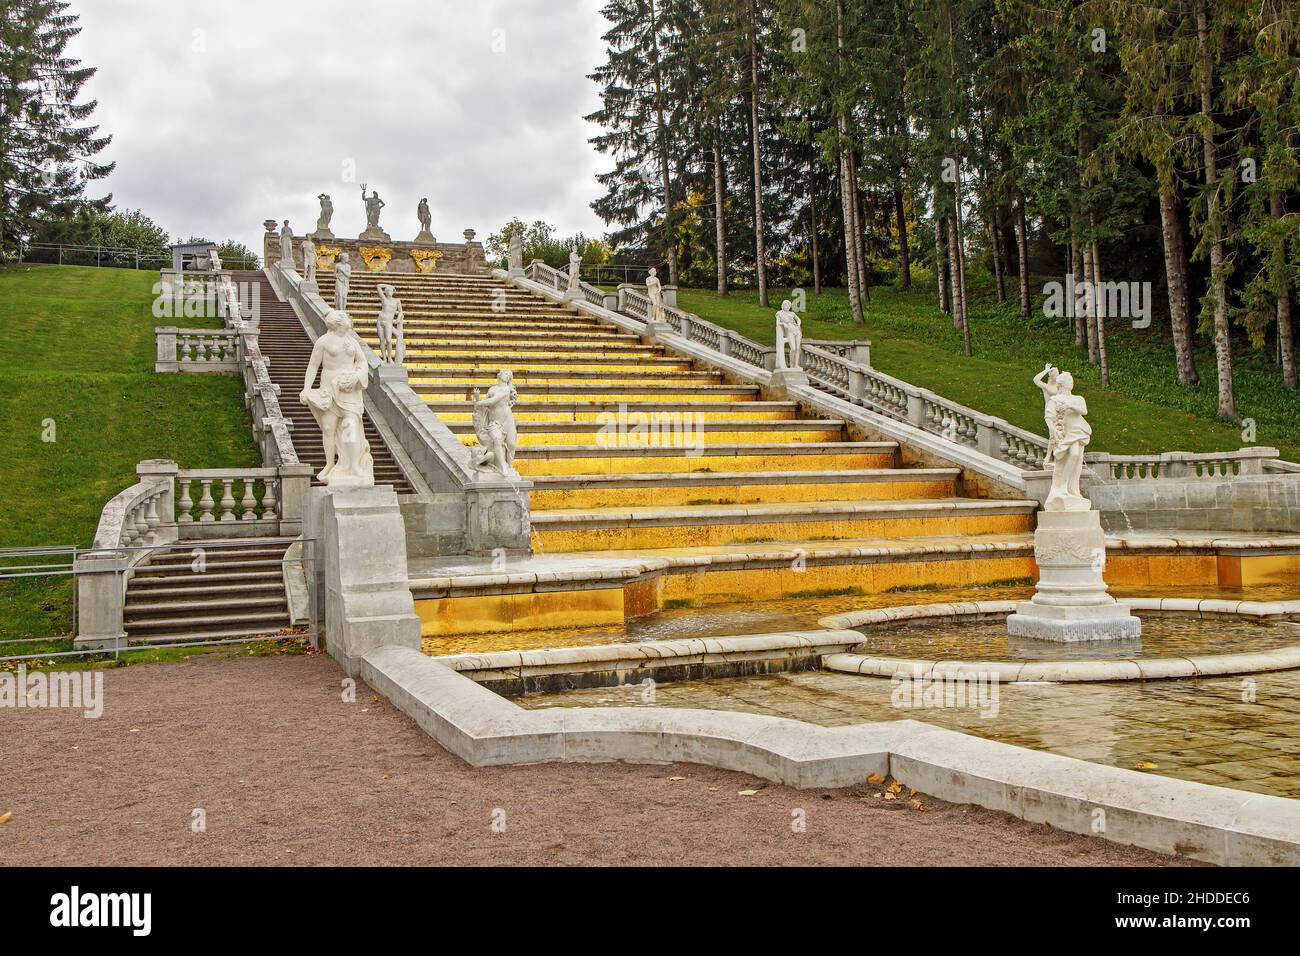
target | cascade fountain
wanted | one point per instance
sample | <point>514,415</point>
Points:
<point>1071,602</point>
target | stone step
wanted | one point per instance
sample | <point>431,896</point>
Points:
<point>621,529</point>
<point>523,335</point>
<point>199,584</point>
<point>549,411</point>
<point>262,621</point>
<point>557,492</point>
<point>704,394</point>
<point>757,456</point>
<point>591,381</point>
<point>683,436</point>
<point>138,609</point>
<point>209,634</point>
<point>597,365</point>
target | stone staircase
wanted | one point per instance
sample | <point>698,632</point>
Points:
<point>284,341</point>
<point>632,450</point>
<point>208,590</point>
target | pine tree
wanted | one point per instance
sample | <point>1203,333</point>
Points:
<point>45,150</point>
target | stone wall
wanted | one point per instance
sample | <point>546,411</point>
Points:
<point>384,256</point>
<point>1242,503</point>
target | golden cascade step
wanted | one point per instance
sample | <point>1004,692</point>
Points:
<point>764,456</point>
<point>666,489</point>
<point>685,433</point>
<point>667,527</point>
<point>665,409</point>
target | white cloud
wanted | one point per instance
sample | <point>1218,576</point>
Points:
<point>226,114</point>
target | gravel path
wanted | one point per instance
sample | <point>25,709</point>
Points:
<point>288,773</point>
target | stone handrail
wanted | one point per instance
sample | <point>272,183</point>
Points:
<point>195,350</point>
<point>1187,465</point>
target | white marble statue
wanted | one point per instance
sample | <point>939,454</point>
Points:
<point>233,309</point>
<point>426,220</point>
<point>1069,434</point>
<point>326,214</point>
<point>789,335</point>
<point>286,247</point>
<point>1046,382</point>
<point>655,293</point>
<point>337,404</point>
<point>373,205</point>
<point>494,424</point>
<point>575,270</point>
<point>515,253</point>
<point>342,277</point>
<point>390,323</point>
<point>308,259</point>
<point>214,260</point>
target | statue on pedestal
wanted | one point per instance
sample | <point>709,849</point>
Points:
<point>422,212</point>
<point>286,247</point>
<point>655,293</point>
<point>337,405</point>
<point>789,334</point>
<point>342,277</point>
<point>308,259</point>
<point>575,271</point>
<point>1070,433</point>
<point>373,206</point>
<point>515,253</point>
<point>392,336</point>
<point>214,260</point>
<point>323,220</point>
<point>494,425</point>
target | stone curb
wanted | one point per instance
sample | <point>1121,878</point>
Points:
<point>1172,816</point>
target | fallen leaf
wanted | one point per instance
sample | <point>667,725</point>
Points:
<point>890,796</point>
<point>6,817</point>
<point>875,778</point>
<point>746,793</point>
<point>676,778</point>
<point>1147,765</point>
<point>895,788</point>
<point>916,805</point>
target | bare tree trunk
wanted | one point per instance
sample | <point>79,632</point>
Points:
<point>904,254</point>
<point>812,235</point>
<point>1077,270</point>
<point>961,268</point>
<point>996,245</point>
<point>760,250</point>
<point>1180,319</point>
<point>719,217</point>
<point>662,140</point>
<point>1022,250</point>
<point>1090,313</point>
<point>850,257</point>
<point>1285,333</point>
<point>1101,317</point>
<point>940,254</point>
<point>1214,223</point>
<point>859,244</point>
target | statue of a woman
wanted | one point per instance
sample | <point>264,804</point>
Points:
<point>575,271</point>
<point>494,425</point>
<point>392,340</point>
<point>286,247</point>
<point>789,334</point>
<point>515,254</point>
<point>1070,432</point>
<point>342,278</point>
<point>326,214</point>
<point>1048,388</point>
<point>655,293</point>
<point>308,259</point>
<point>337,405</point>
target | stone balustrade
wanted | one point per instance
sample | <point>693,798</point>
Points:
<point>196,351</point>
<point>1187,465</point>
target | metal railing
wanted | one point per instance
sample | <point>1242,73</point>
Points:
<point>117,257</point>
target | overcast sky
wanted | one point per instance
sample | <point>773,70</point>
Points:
<point>225,114</point>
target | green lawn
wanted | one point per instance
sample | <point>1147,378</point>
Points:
<point>76,356</point>
<point>1144,411</point>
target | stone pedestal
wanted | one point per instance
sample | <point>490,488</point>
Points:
<point>374,235</point>
<point>1071,602</point>
<point>425,237</point>
<point>320,235</point>
<point>783,378</point>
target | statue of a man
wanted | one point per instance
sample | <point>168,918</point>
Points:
<point>326,213</point>
<point>494,425</point>
<point>286,247</point>
<point>575,270</point>
<point>342,276</point>
<point>789,334</point>
<point>373,205</point>
<point>422,211</point>
<point>655,293</point>
<point>392,338</point>
<point>337,404</point>
<point>515,255</point>
<point>308,259</point>
<point>1070,432</point>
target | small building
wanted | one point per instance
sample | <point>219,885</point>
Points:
<point>191,255</point>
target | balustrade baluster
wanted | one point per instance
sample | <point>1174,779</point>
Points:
<point>186,504</point>
<point>248,503</point>
<point>270,507</point>
<point>227,499</point>
<point>205,501</point>
<point>187,348</point>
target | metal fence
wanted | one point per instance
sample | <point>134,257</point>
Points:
<point>117,257</point>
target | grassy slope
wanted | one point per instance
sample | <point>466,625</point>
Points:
<point>78,347</point>
<point>1144,410</point>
